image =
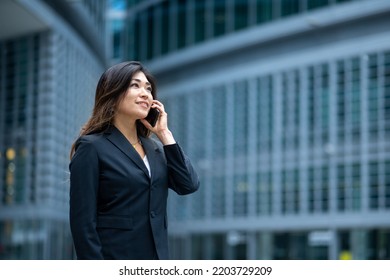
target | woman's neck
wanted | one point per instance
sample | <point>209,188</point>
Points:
<point>128,129</point>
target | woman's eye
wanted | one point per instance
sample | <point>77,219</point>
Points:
<point>134,85</point>
<point>149,89</point>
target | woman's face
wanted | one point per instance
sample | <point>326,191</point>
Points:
<point>138,99</point>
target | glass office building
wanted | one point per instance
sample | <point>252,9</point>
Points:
<point>51,55</point>
<point>116,17</point>
<point>284,107</point>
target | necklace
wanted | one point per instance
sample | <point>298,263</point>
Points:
<point>135,144</point>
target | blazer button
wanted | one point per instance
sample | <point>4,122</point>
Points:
<point>152,214</point>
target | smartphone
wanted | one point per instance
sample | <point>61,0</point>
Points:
<point>152,117</point>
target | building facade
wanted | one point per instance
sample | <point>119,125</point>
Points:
<point>51,55</point>
<point>284,107</point>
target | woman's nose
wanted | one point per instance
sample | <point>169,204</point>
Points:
<point>145,93</point>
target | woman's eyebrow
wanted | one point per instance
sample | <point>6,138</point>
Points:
<point>139,81</point>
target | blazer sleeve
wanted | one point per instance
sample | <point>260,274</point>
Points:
<point>84,182</point>
<point>183,177</point>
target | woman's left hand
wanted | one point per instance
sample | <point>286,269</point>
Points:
<point>161,128</point>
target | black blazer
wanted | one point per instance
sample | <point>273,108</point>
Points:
<point>116,210</point>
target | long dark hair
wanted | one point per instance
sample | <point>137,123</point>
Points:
<point>110,91</point>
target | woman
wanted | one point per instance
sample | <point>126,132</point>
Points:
<point>119,176</point>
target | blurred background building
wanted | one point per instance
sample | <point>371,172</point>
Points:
<point>51,54</point>
<point>284,107</point>
<point>116,18</point>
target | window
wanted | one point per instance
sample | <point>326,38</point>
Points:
<point>240,195</point>
<point>265,115</point>
<point>290,7</point>
<point>240,118</point>
<point>290,191</point>
<point>136,36</point>
<point>373,97</point>
<point>354,99</point>
<point>150,43</point>
<point>341,198</point>
<point>218,197</point>
<point>181,23</point>
<point>264,193</point>
<point>264,10</point>
<point>219,11</point>
<point>314,4</point>
<point>387,183</point>
<point>341,102</point>
<point>200,20</point>
<point>219,117</point>
<point>165,16</point>
<point>373,185</point>
<point>241,14</point>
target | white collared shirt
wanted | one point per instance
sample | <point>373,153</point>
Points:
<point>147,164</point>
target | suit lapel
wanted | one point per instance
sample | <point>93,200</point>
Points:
<point>150,149</point>
<point>119,140</point>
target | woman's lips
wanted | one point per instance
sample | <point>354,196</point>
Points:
<point>143,104</point>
